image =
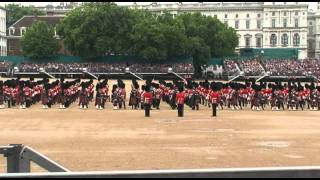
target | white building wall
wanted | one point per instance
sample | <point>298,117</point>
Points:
<point>3,40</point>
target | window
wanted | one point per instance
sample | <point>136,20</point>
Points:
<point>258,41</point>
<point>248,24</point>
<point>310,23</point>
<point>285,23</point>
<point>247,15</point>
<point>311,30</point>
<point>258,15</point>
<point>310,45</point>
<point>226,16</point>
<point>284,13</point>
<point>258,24</point>
<point>247,39</point>
<point>11,31</point>
<point>273,13</point>
<point>273,23</point>
<point>11,47</point>
<point>273,40</point>
<point>284,40</point>
<point>237,15</point>
<point>296,13</point>
<point>236,25</point>
<point>296,23</point>
<point>23,31</point>
<point>296,39</point>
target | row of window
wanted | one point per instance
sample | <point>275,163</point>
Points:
<point>296,13</point>
<point>237,16</point>
<point>258,42</point>
<point>236,25</point>
<point>273,40</point>
<point>273,23</point>
<point>285,23</point>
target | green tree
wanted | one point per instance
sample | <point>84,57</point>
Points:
<point>207,37</point>
<point>39,41</point>
<point>16,11</point>
<point>97,29</point>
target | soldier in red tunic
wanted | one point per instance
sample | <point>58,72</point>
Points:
<point>45,96</point>
<point>180,97</point>
<point>84,97</point>
<point>7,93</point>
<point>27,93</point>
<point>147,100</point>
<point>214,98</point>
<point>158,96</point>
<point>1,95</point>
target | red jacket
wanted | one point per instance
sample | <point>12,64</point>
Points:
<point>180,98</point>
<point>214,97</point>
<point>147,98</point>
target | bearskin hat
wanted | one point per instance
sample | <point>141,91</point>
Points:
<point>147,88</point>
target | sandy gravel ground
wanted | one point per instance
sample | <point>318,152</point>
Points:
<point>93,140</point>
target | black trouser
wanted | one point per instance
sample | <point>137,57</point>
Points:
<point>158,103</point>
<point>214,109</point>
<point>9,102</point>
<point>180,110</point>
<point>196,106</point>
<point>49,103</point>
<point>28,103</point>
<point>147,110</point>
<point>280,104</point>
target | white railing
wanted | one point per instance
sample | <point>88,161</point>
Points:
<point>265,172</point>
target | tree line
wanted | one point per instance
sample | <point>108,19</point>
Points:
<point>103,28</point>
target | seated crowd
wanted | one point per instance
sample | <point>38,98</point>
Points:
<point>104,67</point>
<point>284,67</point>
<point>311,66</point>
<point>251,67</point>
<point>230,67</point>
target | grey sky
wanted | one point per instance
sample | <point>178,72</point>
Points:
<point>312,5</point>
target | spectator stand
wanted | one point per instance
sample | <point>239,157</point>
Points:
<point>115,66</point>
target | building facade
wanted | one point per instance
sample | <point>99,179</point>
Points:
<point>314,33</point>
<point>3,39</point>
<point>16,31</point>
<point>259,25</point>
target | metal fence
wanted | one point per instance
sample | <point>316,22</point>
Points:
<point>273,172</point>
<point>19,157</point>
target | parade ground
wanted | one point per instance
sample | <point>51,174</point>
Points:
<point>103,140</point>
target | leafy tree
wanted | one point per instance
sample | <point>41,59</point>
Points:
<point>39,41</point>
<point>16,11</point>
<point>96,29</point>
<point>103,28</point>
